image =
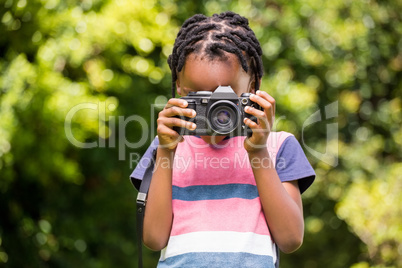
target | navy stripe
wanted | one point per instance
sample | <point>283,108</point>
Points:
<point>215,192</point>
<point>218,260</point>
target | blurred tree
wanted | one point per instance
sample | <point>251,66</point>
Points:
<point>68,69</point>
<point>76,75</point>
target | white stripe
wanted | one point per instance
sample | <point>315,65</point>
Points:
<point>219,242</point>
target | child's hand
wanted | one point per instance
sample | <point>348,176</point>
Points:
<point>169,138</point>
<point>265,118</point>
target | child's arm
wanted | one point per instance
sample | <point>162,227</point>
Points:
<point>281,202</point>
<point>158,213</point>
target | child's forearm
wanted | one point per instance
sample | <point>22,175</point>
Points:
<point>158,213</point>
<point>281,203</point>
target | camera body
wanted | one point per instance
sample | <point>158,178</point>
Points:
<point>219,113</point>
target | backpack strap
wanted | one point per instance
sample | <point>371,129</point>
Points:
<point>141,202</point>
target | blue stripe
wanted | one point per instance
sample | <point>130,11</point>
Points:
<point>215,192</point>
<point>218,260</point>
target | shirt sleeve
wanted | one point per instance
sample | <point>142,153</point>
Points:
<point>292,164</point>
<point>138,173</point>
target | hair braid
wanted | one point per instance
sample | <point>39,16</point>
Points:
<point>211,36</point>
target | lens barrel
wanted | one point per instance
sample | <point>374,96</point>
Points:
<point>223,117</point>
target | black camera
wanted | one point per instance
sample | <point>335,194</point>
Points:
<point>219,113</point>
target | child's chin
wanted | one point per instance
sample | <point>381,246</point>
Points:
<point>213,139</point>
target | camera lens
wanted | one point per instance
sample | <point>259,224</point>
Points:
<point>223,117</point>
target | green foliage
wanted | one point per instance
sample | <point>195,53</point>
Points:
<point>64,206</point>
<point>371,210</point>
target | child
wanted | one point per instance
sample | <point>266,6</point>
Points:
<point>218,201</point>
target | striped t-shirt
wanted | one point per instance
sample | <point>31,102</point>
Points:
<point>217,215</point>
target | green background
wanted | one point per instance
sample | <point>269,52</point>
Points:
<point>95,72</point>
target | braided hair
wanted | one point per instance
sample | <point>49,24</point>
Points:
<point>212,36</point>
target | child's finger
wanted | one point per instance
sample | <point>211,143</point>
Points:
<point>176,102</point>
<point>265,104</point>
<point>167,132</point>
<point>255,112</point>
<point>251,124</point>
<point>268,107</point>
<point>267,97</point>
<point>177,111</point>
<point>176,122</point>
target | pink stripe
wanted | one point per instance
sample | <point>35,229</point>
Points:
<point>233,214</point>
<point>229,170</point>
<point>207,165</point>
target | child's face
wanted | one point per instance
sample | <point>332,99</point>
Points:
<point>207,75</point>
<point>203,74</point>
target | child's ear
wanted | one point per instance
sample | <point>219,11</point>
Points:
<point>252,85</point>
<point>178,88</point>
